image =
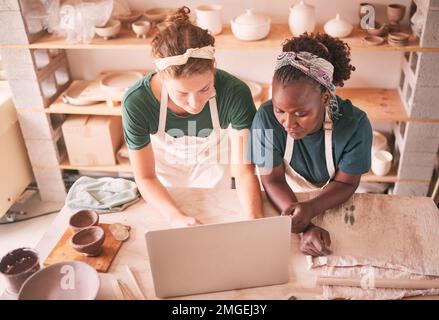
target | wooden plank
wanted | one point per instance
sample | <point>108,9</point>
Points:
<point>63,251</point>
<point>379,104</point>
<point>225,40</point>
<point>368,177</point>
<point>111,168</point>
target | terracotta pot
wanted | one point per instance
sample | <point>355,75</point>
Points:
<point>17,265</point>
<point>395,12</point>
<point>83,219</point>
<point>89,241</point>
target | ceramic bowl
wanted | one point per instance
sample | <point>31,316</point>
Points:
<point>399,36</point>
<point>89,241</point>
<point>379,30</point>
<point>83,219</point>
<point>18,265</point>
<point>70,280</point>
<point>141,28</point>
<point>109,30</point>
<point>251,26</point>
<point>373,40</point>
<point>379,142</point>
<point>157,14</point>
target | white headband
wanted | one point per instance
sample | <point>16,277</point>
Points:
<point>201,53</point>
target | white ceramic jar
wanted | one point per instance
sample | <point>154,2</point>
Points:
<point>251,26</point>
<point>338,27</point>
<point>209,17</point>
<point>381,162</point>
<point>302,18</point>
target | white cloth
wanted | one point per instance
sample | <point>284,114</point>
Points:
<point>191,161</point>
<point>297,182</point>
<point>206,52</point>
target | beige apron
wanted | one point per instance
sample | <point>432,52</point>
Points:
<point>298,183</point>
<point>191,161</point>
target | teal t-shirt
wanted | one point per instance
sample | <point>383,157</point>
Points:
<point>351,144</point>
<point>140,111</point>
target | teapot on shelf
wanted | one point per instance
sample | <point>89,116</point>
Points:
<point>302,18</point>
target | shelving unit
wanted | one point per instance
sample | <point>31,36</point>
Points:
<point>399,105</point>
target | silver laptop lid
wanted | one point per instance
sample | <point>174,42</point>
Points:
<point>219,257</point>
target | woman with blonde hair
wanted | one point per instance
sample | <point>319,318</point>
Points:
<point>176,121</point>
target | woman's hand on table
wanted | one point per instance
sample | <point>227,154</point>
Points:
<point>301,214</point>
<point>315,241</point>
<point>182,221</point>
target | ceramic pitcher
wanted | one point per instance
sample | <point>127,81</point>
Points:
<point>209,17</point>
<point>302,18</point>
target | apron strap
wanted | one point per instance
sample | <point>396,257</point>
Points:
<point>163,110</point>
<point>327,127</point>
<point>216,126</point>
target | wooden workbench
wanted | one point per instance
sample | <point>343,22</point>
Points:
<point>209,206</point>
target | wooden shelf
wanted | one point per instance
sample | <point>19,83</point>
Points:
<point>111,168</point>
<point>96,109</point>
<point>126,168</point>
<point>278,33</point>
<point>379,104</point>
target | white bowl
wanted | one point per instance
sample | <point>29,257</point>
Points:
<point>250,32</point>
<point>141,28</point>
<point>111,29</point>
<point>70,280</point>
<point>379,142</point>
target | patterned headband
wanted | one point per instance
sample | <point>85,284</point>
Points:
<point>314,67</point>
<point>206,52</point>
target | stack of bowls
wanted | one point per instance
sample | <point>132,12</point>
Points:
<point>398,39</point>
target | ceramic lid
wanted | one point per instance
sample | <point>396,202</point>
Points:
<point>302,5</point>
<point>338,23</point>
<point>251,18</point>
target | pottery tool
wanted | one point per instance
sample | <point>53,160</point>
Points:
<point>126,291</point>
<point>117,290</point>
<point>379,283</point>
<point>136,284</point>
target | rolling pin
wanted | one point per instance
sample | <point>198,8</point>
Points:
<point>378,283</point>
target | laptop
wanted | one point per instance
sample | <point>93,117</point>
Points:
<point>219,257</point>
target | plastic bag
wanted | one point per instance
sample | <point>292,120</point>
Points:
<point>76,19</point>
<point>120,8</point>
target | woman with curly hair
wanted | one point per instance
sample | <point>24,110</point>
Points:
<point>176,123</point>
<point>307,138</point>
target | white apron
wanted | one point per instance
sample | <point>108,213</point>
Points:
<point>297,182</point>
<point>191,161</point>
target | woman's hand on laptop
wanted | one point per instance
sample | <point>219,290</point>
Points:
<point>315,241</point>
<point>182,221</point>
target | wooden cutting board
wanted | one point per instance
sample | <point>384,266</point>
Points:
<point>64,252</point>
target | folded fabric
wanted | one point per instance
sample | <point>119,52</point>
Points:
<point>104,195</point>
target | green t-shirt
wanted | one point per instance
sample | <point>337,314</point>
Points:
<point>351,144</point>
<point>140,111</point>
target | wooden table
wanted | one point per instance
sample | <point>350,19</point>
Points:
<point>209,206</point>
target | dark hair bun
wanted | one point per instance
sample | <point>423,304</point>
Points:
<point>334,50</point>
